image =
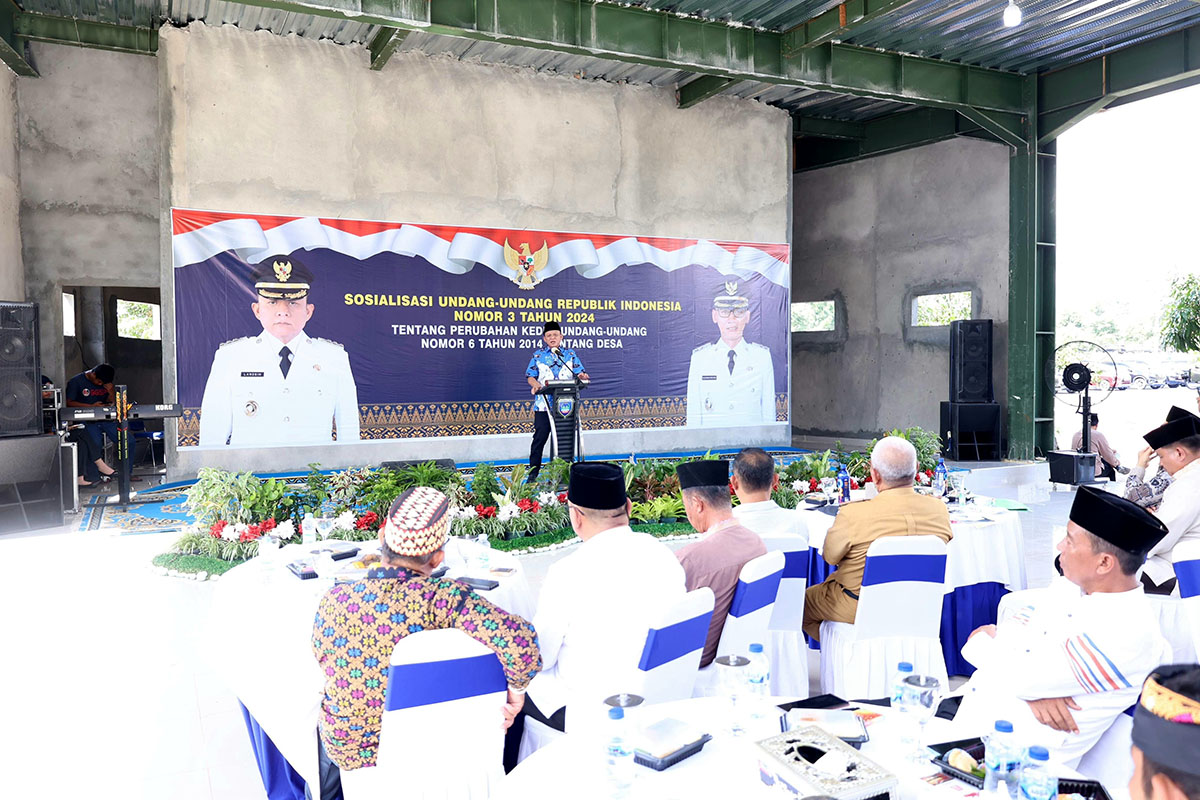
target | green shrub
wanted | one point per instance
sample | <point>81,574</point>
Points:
<point>484,485</point>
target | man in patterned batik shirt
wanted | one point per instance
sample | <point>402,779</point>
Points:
<point>357,626</point>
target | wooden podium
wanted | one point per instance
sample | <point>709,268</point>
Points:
<point>562,404</point>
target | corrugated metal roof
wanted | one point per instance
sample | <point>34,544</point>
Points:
<point>1053,33</point>
<point>255,18</point>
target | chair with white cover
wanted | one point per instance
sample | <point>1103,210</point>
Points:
<point>898,618</point>
<point>785,643</point>
<point>749,614</point>
<point>1187,572</point>
<point>1108,761</point>
<point>441,735</point>
<point>666,669</point>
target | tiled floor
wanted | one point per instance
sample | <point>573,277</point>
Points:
<point>107,694</point>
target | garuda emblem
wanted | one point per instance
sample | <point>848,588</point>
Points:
<point>283,270</point>
<point>525,264</point>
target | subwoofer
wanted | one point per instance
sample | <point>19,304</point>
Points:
<point>971,431</point>
<point>971,361</point>
<point>20,370</point>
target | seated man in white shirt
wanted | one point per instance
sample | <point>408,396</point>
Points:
<point>1177,444</point>
<point>1166,736</point>
<point>1073,657</point>
<point>753,481</point>
<point>596,603</point>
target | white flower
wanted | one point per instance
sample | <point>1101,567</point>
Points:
<point>548,499</point>
<point>799,487</point>
<point>232,533</point>
<point>466,512</point>
<point>344,521</point>
<point>507,512</point>
<point>284,530</point>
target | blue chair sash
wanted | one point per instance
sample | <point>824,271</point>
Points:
<point>664,645</point>
<point>795,564</point>
<point>429,682</point>
<point>912,567</point>
<point>750,597</point>
<point>1188,573</point>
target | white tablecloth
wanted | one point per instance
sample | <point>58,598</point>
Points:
<point>260,632</point>
<point>573,766</point>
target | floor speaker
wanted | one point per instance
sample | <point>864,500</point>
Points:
<point>31,477</point>
<point>1071,468</point>
<point>20,370</point>
<point>971,431</point>
<point>971,361</point>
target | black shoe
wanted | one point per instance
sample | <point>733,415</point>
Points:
<point>533,473</point>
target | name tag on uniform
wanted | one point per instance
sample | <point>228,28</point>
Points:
<point>708,377</point>
<point>252,374</point>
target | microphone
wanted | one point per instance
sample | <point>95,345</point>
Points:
<point>556,351</point>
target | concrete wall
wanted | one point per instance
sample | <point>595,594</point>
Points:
<point>437,140</point>
<point>869,235</point>
<point>89,190</point>
<point>12,273</point>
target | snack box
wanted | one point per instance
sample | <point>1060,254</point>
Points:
<point>1089,790</point>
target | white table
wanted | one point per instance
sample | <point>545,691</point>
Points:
<point>573,766</point>
<point>985,560</point>
<point>260,632</point>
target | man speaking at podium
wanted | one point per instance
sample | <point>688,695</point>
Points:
<point>549,362</point>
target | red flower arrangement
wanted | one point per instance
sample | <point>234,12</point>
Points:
<point>854,483</point>
<point>218,526</point>
<point>485,511</point>
<point>367,521</point>
<point>252,533</point>
<point>528,506</point>
<point>562,497</point>
<point>813,484</point>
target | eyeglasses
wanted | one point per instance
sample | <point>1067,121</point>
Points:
<point>736,313</point>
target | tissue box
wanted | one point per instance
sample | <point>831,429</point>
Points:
<point>809,761</point>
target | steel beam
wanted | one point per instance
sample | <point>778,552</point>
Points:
<point>1070,95</point>
<point>1031,300</point>
<point>1008,128</point>
<point>702,88</point>
<point>656,38</point>
<point>100,35</point>
<point>821,128</point>
<point>12,49</point>
<point>384,44</point>
<point>837,22</point>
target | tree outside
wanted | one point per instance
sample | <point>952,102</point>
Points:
<point>818,316</point>
<point>941,309</point>
<point>1181,316</point>
<point>138,320</point>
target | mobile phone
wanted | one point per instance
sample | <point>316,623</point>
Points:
<point>482,584</point>
<point>503,570</point>
<point>302,570</point>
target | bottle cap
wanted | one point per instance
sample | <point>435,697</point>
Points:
<point>616,713</point>
<point>1037,753</point>
<point>1004,726</point>
<point>756,648</point>
<point>904,666</point>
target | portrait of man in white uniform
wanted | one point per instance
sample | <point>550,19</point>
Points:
<point>731,381</point>
<point>281,387</point>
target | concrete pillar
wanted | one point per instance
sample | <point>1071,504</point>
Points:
<point>91,324</point>
<point>12,267</point>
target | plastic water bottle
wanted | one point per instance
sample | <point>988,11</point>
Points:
<point>1002,760</point>
<point>843,479</point>
<point>618,755</point>
<point>1037,782</point>
<point>758,672</point>
<point>903,670</point>
<point>939,478</point>
<point>308,529</point>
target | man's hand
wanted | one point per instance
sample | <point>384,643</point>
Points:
<point>583,376</point>
<point>513,707</point>
<point>1055,712</point>
<point>534,386</point>
<point>990,630</point>
<point>1144,456</point>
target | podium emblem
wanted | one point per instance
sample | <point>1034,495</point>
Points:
<point>565,406</point>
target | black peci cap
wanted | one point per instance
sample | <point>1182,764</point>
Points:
<point>597,485</point>
<point>1116,520</point>
<point>707,472</point>
<point>1181,427</point>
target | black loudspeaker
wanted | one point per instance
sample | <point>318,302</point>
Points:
<point>971,431</point>
<point>20,370</point>
<point>1072,468</point>
<point>971,361</point>
<point>444,463</point>
<point>31,479</point>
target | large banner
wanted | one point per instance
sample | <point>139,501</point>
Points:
<point>305,330</point>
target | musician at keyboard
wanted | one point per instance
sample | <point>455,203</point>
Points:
<point>91,389</point>
<point>549,362</point>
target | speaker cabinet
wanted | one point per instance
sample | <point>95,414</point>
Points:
<point>971,361</point>
<point>20,370</point>
<point>1072,468</point>
<point>31,477</point>
<point>971,431</point>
